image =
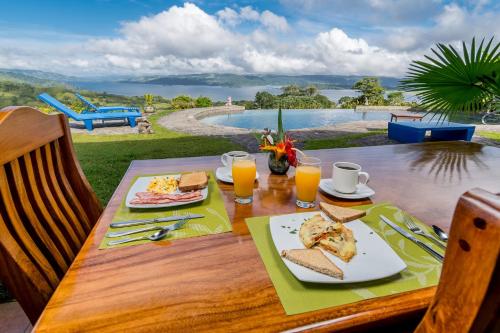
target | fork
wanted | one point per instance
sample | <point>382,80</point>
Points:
<point>410,224</point>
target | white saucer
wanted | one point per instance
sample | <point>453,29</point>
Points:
<point>363,191</point>
<point>224,174</point>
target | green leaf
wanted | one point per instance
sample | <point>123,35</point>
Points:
<point>281,132</point>
<point>450,82</point>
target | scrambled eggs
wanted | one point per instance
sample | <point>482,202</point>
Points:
<point>163,185</point>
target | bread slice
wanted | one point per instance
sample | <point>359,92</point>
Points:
<point>341,214</point>
<point>340,242</point>
<point>193,181</point>
<point>315,260</point>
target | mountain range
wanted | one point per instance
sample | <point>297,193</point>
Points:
<point>245,80</point>
<point>225,80</point>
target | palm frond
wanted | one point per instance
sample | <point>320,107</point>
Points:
<point>453,81</point>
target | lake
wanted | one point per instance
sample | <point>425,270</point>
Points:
<point>216,93</point>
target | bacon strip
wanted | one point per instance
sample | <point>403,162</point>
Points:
<point>157,198</point>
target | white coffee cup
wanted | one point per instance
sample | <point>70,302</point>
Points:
<point>345,176</point>
<point>227,158</point>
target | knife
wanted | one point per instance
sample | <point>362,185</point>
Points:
<point>413,239</point>
<point>171,227</point>
<point>132,223</point>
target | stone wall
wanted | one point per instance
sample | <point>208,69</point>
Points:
<point>200,113</point>
<point>384,108</point>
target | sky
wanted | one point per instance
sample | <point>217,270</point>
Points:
<point>155,37</point>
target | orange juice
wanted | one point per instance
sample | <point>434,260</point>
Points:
<point>244,172</point>
<point>307,179</point>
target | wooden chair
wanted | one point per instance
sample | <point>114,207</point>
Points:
<point>468,294</point>
<point>47,207</point>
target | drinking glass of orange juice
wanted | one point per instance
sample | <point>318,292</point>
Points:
<point>244,171</point>
<point>307,177</point>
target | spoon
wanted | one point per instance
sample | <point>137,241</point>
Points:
<point>440,232</point>
<point>154,237</point>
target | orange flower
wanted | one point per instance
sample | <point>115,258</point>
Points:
<point>280,150</point>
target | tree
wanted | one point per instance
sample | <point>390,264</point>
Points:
<point>311,90</point>
<point>324,101</point>
<point>395,98</point>
<point>203,102</point>
<point>264,100</point>
<point>457,83</point>
<point>291,90</point>
<point>182,102</point>
<point>347,102</point>
<point>371,91</point>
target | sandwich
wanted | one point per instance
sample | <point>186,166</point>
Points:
<point>193,181</point>
<point>341,214</point>
<point>315,260</point>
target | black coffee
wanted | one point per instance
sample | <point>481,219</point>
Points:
<point>347,168</point>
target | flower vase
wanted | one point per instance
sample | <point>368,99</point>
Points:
<point>278,166</point>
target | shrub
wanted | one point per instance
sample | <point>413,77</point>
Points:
<point>182,102</point>
<point>203,102</point>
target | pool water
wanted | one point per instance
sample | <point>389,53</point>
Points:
<point>293,119</point>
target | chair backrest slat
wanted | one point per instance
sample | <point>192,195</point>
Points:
<point>467,298</point>
<point>47,207</point>
<point>51,200</point>
<point>38,202</point>
<point>68,190</point>
<point>18,230</point>
<point>41,230</point>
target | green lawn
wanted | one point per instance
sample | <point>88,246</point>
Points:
<point>340,142</point>
<point>105,158</point>
<point>490,135</point>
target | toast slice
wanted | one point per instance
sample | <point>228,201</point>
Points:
<point>341,214</point>
<point>340,242</point>
<point>193,181</point>
<point>313,259</point>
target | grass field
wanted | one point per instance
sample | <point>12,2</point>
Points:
<point>490,135</point>
<point>340,142</point>
<point>105,158</point>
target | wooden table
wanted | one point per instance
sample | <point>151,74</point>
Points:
<point>219,282</point>
<point>407,116</point>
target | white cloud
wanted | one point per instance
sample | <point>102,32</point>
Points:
<point>453,24</point>
<point>248,13</point>
<point>273,21</point>
<point>186,39</point>
<point>229,16</point>
<point>267,18</point>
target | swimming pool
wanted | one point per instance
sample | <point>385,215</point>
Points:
<point>293,119</point>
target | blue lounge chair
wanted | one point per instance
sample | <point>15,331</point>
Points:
<point>94,108</point>
<point>87,118</point>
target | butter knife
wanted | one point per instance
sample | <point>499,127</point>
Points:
<point>132,223</point>
<point>426,247</point>
<point>171,227</point>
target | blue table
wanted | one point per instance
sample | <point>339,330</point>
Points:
<point>412,132</point>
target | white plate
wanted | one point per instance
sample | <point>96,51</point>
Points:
<point>141,185</point>
<point>224,174</point>
<point>374,260</point>
<point>362,190</point>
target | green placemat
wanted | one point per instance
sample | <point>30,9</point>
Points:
<point>215,221</point>
<point>299,297</point>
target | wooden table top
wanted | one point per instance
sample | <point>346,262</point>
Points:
<point>219,282</point>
